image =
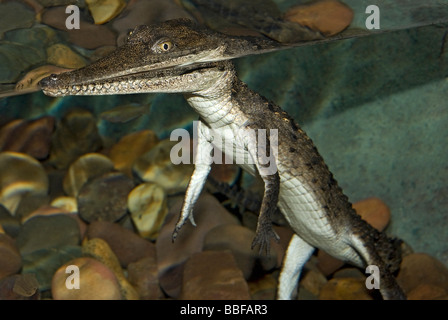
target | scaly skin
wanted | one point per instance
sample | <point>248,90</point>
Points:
<point>179,57</point>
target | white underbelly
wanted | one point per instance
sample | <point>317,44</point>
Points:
<point>310,221</point>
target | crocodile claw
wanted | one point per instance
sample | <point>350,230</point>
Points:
<point>263,238</point>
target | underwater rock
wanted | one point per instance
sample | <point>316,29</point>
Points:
<point>96,281</point>
<point>345,289</point>
<point>10,259</point>
<point>349,273</point>
<point>15,58</point>
<point>20,176</point>
<point>75,135</point>
<point>213,275</point>
<point>148,207</point>
<point>62,56</point>
<point>127,245</point>
<point>262,17</point>
<point>264,288</point>
<point>30,203</point>
<point>103,11</point>
<point>14,15</point>
<point>238,240</point>
<point>9,223</point>
<point>421,269</point>
<point>19,287</point>
<point>84,169</point>
<point>144,12</point>
<point>156,166</point>
<point>43,211</point>
<point>374,211</point>
<point>105,198</point>
<point>326,16</point>
<point>130,147</point>
<point>28,136</point>
<point>44,262</point>
<point>427,292</point>
<point>208,213</point>
<point>227,173</point>
<point>88,36</point>
<point>124,113</point>
<point>313,281</point>
<point>55,3</point>
<point>43,232</point>
<point>39,36</point>
<point>143,276</point>
<point>100,250</point>
<point>68,204</point>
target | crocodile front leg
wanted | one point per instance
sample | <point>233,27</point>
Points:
<point>203,160</point>
<point>267,168</point>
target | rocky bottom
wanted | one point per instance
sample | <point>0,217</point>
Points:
<point>80,221</point>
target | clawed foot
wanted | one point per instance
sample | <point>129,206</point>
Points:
<point>263,238</point>
<point>183,218</point>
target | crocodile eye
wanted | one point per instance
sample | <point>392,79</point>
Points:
<point>165,46</point>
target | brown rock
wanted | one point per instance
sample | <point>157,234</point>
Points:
<point>10,259</point>
<point>374,211</point>
<point>421,269</point>
<point>143,275</point>
<point>148,207</point>
<point>103,11</point>
<point>85,168</point>
<point>20,176</point>
<point>19,287</point>
<point>99,249</point>
<point>124,153</point>
<point>10,224</point>
<point>29,204</point>
<point>75,135</point>
<point>44,211</point>
<point>264,288</point>
<point>157,166</point>
<point>328,264</point>
<point>327,16</point>
<point>89,36</point>
<point>63,56</point>
<point>208,213</point>
<point>238,240</point>
<point>427,292</point>
<point>28,136</point>
<point>96,281</point>
<point>140,12</point>
<point>43,232</point>
<point>349,273</point>
<point>105,198</point>
<point>213,275</point>
<point>128,246</point>
<point>313,281</point>
<point>345,289</point>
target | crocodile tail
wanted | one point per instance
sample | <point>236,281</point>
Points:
<point>389,249</point>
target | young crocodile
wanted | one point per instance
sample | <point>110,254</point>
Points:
<point>180,57</point>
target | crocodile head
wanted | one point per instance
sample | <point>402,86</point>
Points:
<point>168,57</point>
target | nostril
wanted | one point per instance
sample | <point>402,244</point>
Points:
<point>44,82</point>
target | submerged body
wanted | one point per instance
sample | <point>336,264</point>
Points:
<point>161,60</point>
